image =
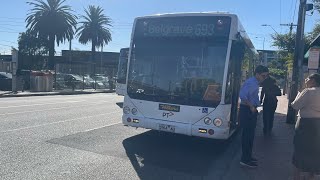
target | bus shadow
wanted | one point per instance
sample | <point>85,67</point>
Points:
<point>120,104</point>
<point>159,155</point>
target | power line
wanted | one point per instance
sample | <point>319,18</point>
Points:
<point>280,13</point>
<point>294,12</point>
<point>9,32</point>
<point>9,18</point>
<point>7,28</point>
<point>290,8</point>
<point>9,41</point>
<point>6,45</point>
<point>17,22</point>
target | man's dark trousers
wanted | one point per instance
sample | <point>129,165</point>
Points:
<point>269,108</point>
<point>248,121</point>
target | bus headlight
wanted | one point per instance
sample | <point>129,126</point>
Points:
<point>207,121</point>
<point>217,122</point>
<point>134,111</point>
<point>126,110</point>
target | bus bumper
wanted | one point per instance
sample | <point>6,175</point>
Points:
<point>174,127</point>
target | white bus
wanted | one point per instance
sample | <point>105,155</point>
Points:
<point>185,72</point>
<point>121,86</point>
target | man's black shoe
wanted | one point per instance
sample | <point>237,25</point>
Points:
<point>248,164</point>
<point>254,160</point>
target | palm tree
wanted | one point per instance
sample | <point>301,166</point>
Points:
<point>94,28</point>
<point>52,20</point>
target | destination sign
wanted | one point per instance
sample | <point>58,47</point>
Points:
<point>190,26</point>
<point>169,107</point>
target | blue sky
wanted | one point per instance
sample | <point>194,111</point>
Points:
<point>252,14</point>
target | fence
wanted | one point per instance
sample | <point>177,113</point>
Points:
<point>84,76</point>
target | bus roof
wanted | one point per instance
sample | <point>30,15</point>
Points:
<point>214,13</point>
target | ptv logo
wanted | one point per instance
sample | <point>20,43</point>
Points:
<point>167,114</point>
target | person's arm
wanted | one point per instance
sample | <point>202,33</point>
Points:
<point>300,100</point>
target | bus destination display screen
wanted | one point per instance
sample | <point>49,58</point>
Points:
<point>187,26</point>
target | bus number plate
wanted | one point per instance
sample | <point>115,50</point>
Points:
<point>168,128</point>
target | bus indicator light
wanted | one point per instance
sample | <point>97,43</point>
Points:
<point>129,120</point>
<point>217,122</point>
<point>207,121</point>
<point>201,130</point>
<point>134,111</point>
<point>126,110</point>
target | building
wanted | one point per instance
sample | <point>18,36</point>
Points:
<point>267,56</point>
<point>79,62</point>
<point>75,62</point>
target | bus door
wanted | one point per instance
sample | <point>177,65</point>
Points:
<point>234,81</point>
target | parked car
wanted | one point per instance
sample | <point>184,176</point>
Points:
<point>59,82</point>
<point>5,81</point>
<point>88,81</point>
<point>102,81</point>
<point>68,81</point>
<point>73,81</point>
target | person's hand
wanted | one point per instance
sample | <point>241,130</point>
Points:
<point>253,109</point>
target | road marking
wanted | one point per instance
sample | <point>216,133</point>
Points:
<point>57,122</point>
<point>55,98</point>
<point>101,127</point>
<point>5,114</point>
<point>26,105</point>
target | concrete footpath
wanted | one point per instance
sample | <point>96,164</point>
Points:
<point>58,92</point>
<point>274,152</point>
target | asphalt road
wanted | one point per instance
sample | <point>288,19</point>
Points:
<point>81,137</point>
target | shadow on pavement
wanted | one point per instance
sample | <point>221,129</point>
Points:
<point>160,155</point>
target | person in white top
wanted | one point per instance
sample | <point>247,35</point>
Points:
<point>306,156</point>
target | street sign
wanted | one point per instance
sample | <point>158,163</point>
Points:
<point>313,61</point>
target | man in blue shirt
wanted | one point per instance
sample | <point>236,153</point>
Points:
<point>249,95</point>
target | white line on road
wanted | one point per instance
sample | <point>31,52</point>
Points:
<point>55,98</point>
<point>5,114</point>
<point>26,105</point>
<point>101,127</point>
<point>57,122</point>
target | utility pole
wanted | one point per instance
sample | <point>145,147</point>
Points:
<point>286,80</point>
<point>70,56</point>
<point>297,62</point>
<point>14,68</point>
<point>291,27</point>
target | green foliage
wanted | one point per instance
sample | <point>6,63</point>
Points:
<point>313,34</point>
<point>94,28</point>
<point>51,20</point>
<point>316,5</point>
<point>289,61</point>
<point>278,73</point>
<point>284,42</point>
<point>29,44</point>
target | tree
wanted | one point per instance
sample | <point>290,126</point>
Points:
<point>94,28</point>
<point>284,42</point>
<point>32,50</point>
<point>317,4</point>
<point>51,20</point>
<point>313,34</point>
<point>29,44</point>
